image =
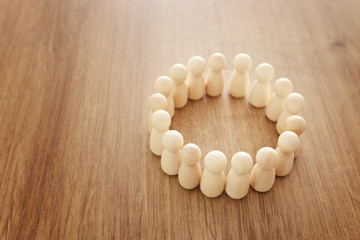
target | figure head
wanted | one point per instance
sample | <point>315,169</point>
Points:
<point>296,124</point>
<point>164,85</point>
<point>217,62</point>
<point>196,65</point>
<point>157,101</point>
<point>190,154</point>
<point>215,161</point>
<point>267,157</point>
<point>241,162</point>
<point>242,63</point>
<point>173,140</point>
<point>294,103</point>
<point>283,87</point>
<point>161,120</point>
<point>264,72</point>
<point>178,73</point>
<point>288,142</point>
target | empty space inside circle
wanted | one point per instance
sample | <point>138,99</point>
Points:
<point>226,124</point>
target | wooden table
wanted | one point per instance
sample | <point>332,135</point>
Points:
<point>75,77</point>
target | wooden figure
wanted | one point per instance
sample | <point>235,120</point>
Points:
<point>160,120</point>
<point>214,83</point>
<point>282,88</point>
<point>238,179</point>
<point>157,101</point>
<point>262,176</point>
<point>195,80</point>
<point>170,157</point>
<point>212,182</point>
<point>239,80</point>
<point>190,169</point>
<point>178,74</point>
<point>288,142</point>
<point>294,104</point>
<point>296,124</point>
<point>165,86</point>
<point>260,91</point>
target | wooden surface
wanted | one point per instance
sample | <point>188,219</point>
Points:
<point>75,77</point>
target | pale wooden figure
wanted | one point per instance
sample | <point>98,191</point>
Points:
<point>178,74</point>
<point>212,182</point>
<point>282,88</point>
<point>262,176</point>
<point>238,179</point>
<point>214,82</point>
<point>294,104</point>
<point>260,91</point>
<point>239,80</point>
<point>160,120</point>
<point>195,80</point>
<point>296,124</point>
<point>288,142</point>
<point>157,101</point>
<point>165,86</point>
<point>190,169</point>
<point>170,157</point>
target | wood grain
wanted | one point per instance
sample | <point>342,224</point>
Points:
<point>75,77</point>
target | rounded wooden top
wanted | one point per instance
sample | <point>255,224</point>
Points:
<point>161,120</point>
<point>173,140</point>
<point>288,142</point>
<point>241,162</point>
<point>215,161</point>
<point>267,157</point>
<point>283,87</point>
<point>196,65</point>
<point>264,72</point>
<point>164,85</point>
<point>178,73</point>
<point>190,154</point>
<point>157,101</point>
<point>242,63</point>
<point>294,103</point>
<point>217,62</point>
<point>296,124</point>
